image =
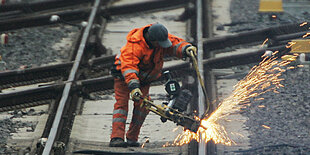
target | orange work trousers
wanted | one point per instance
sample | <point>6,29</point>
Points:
<point>120,112</point>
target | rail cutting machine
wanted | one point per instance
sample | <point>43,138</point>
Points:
<point>175,109</point>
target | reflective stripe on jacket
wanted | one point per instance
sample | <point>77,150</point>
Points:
<point>141,64</point>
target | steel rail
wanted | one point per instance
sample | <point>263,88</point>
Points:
<point>28,76</point>
<point>284,39</point>
<point>242,59</point>
<point>82,13</point>
<point>44,19</point>
<point>71,79</point>
<point>40,5</point>
<point>290,36</point>
<point>202,94</point>
<point>74,102</point>
<point>30,97</point>
<point>144,6</point>
<point>218,43</point>
<point>34,75</point>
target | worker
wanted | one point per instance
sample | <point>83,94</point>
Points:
<point>139,63</point>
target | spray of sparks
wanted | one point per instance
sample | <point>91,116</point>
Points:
<point>264,42</point>
<point>303,24</point>
<point>262,78</point>
<point>146,141</point>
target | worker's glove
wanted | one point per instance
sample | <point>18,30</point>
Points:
<point>190,49</point>
<point>136,94</point>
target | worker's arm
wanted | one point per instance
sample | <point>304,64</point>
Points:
<point>129,65</point>
<point>178,47</point>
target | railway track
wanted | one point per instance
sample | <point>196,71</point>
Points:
<point>73,86</point>
<point>60,71</point>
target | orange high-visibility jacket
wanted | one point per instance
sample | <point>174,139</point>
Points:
<point>141,64</point>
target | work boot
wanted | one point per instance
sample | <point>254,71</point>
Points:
<point>117,142</point>
<point>132,143</point>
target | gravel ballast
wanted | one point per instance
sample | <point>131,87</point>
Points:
<point>287,113</point>
<point>27,48</point>
<point>32,47</point>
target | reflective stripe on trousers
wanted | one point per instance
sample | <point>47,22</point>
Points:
<point>121,110</point>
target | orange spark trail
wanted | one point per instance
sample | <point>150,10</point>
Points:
<point>303,24</point>
<point>290,44</point>
<point>265,126</point>
<point>262,78</point>
<point>261,106</point>
<point>306,35</point>
<point>264,42</point>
